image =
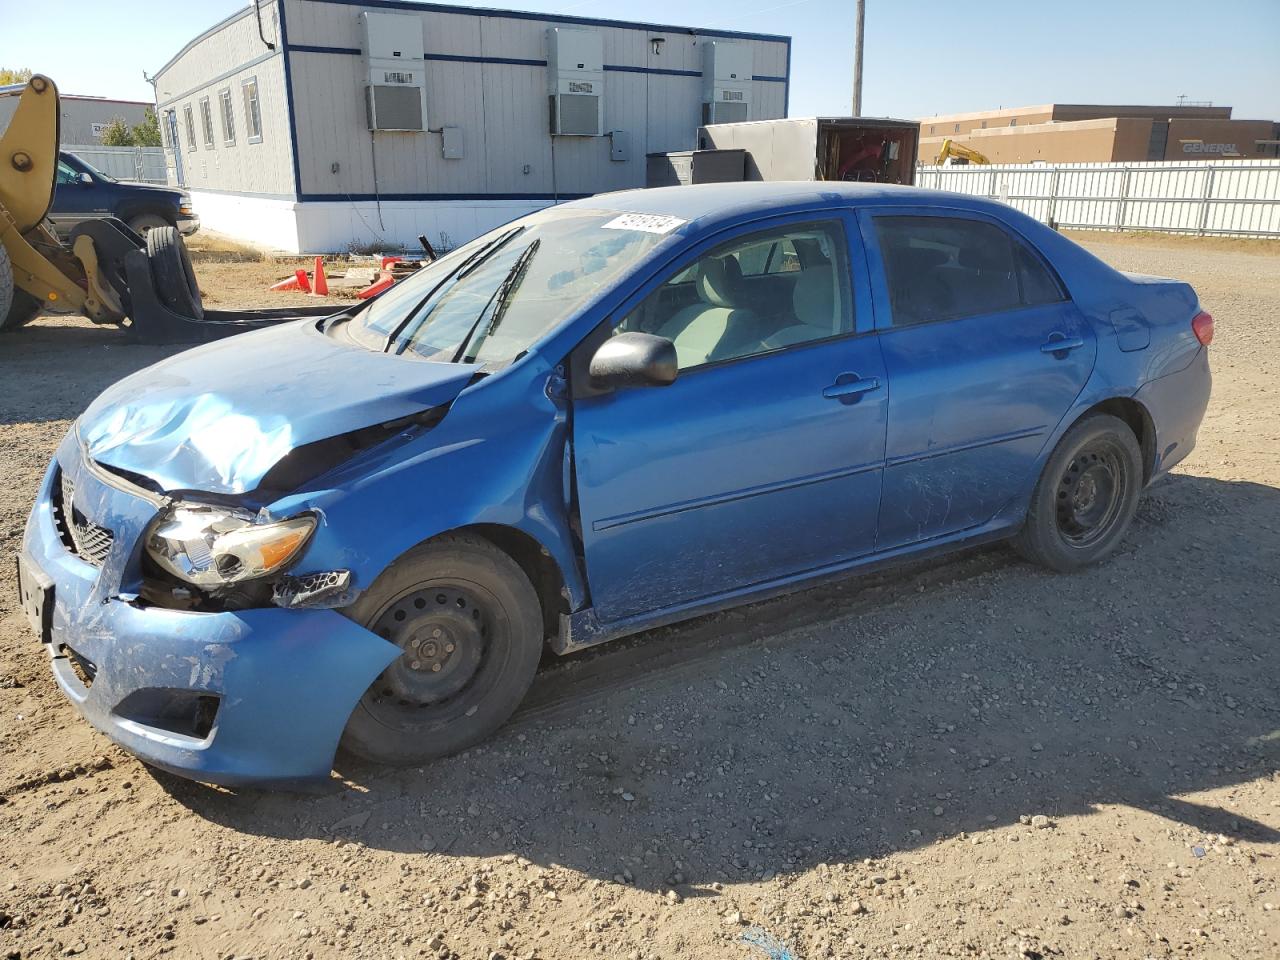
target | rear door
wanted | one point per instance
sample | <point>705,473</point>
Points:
<point>986,353</point>
<point>762,460</point>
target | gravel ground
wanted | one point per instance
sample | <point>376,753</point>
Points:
<point>970,757</point>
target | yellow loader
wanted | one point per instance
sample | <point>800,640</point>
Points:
<point>105,271</point>
<point>38,273</point>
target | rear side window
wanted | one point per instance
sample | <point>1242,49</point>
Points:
<point>944,268</point>
<point>1038,285</point>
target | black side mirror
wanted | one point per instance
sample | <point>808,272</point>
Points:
<point>634,360</point>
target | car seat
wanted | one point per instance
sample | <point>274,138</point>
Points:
<point>813,301</point>
<point>698,329</point>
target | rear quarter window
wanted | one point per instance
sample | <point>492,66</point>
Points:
<point>945,268</point>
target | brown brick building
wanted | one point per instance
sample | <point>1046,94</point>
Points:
<point>1076,132</point>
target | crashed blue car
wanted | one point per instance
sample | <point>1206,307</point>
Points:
<point>362,532</point>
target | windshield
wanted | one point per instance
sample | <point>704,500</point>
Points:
<point>489,300</point>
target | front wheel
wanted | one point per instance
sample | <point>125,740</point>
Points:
<point>1085,498</point>
<point>469,626</point>
<point>144,223</point>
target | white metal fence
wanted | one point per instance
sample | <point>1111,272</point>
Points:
<point>1226,197</point>
<point>124,163</point>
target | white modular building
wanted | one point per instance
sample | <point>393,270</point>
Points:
<point>331,125</point>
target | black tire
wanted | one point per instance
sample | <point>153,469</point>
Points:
<point>22,311</point>
<point>144,223</point>
<point>172,271</point>
<point>471,627</point>
<point>1085,498</point>
<point>7,288</point>
<point>17,307</point>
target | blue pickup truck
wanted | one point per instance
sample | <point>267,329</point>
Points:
<point>84,193</point>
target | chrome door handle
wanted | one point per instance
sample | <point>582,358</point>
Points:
<point>849,386</point>
<point>1061,344</point>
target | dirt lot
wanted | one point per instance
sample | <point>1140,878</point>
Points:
<point>968,758</point>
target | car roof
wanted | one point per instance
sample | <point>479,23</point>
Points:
<point>733,201</point>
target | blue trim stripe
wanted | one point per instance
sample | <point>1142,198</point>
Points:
<point>517,61</point>
<point>551,18</point>
<point>311,48</point>
<point>289,103</point>
<point>786,91</point>
<point>463,58</point>
<point>226,75</point>
<point>385,197</point>
<point>661,71</point>
<point>225,21</point>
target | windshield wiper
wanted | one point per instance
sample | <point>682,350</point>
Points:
<point>463,270</point>
<point>500,300</point>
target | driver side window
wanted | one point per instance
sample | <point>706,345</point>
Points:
<point>762,292</point>
<point>66,174</point>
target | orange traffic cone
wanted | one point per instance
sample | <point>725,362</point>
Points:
<point>289,283</point>
<point>303,283</point>
<point>321,281</point>
<point>382,283</point>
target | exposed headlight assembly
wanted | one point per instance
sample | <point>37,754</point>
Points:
<point>209,546</point>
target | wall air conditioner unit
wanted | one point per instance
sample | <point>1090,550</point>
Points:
<point>726,81</point>
<point>575,82</point>
<point>395,71</point>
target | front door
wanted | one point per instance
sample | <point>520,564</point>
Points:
<point>763,459</point>
<point>76,197</point>
<point>986,353</point>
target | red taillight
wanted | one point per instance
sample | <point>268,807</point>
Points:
<point>1202,327</point>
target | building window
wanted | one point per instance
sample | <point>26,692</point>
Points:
<point>252,110</point>
<point>984,124</point>
<point>228,117</point>
<point>1013,122</point>
<point>931,130</point>
<point>206,122</point>
<point>190,125</point>
<point>957,129</point>
<point>166,127</point>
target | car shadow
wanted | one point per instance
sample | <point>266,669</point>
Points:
<point>69,361</point>
<point>867,717</point>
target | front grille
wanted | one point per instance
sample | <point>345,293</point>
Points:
<point>79,534</point>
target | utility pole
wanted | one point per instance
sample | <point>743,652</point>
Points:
<point>859,13</point>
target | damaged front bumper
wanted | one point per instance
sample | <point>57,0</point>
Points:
<point>233,697</point>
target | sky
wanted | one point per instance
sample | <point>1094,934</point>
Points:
<point>923,57</point>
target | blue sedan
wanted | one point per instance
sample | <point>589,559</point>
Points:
<point>616,413</point>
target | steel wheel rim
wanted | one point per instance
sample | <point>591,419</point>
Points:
<point>447,630</point>
<point>1091,494</point>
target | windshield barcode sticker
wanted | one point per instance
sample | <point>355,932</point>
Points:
<point>645,222</point>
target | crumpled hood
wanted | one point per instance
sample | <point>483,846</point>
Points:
<point>218,417</point>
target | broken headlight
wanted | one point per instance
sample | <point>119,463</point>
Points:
<point>210,546</point>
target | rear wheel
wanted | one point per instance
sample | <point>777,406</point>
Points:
<point>1085,498</point>
<point>469,625</point>
<point>174,276</point>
